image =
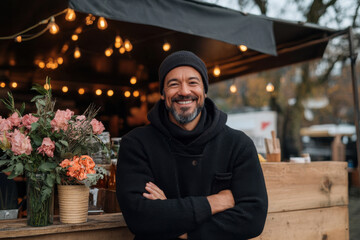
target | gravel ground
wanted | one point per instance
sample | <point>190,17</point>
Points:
<point>354,213</point>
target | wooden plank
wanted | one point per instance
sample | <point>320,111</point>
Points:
<point>10,228</point>
<point>297,186</point>
<point>330,223</point>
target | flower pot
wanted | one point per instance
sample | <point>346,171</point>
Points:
<point>39,212</point>
<point>73,203</point>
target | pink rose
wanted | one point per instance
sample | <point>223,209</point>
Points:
<point>5,124</point>
<point>27,120</point>
<point>47,147</point>
<point>15,119</point>
<point>61,120</point>
<point>97,126</point>
<point>20,144</point>
<point>80,121</point>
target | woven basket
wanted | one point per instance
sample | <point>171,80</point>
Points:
<point>73,203</point>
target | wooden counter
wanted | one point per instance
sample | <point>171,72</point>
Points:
<point>306,201</point>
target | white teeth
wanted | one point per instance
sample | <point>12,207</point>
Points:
<point>184,102</point>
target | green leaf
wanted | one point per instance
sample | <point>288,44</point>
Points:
<point>12,175</point>
<point>36,98</point>
<point>45,193</point>
<point>47,166</point>
<point>65,143</point>
<point>50,178</point>
<point>19,168</point>
<point>22,109</point>
<point>41,102</point>
<point>34,126</point>
<point>9,169</point>
<point>28,167</point>
<point>58,145</point>
<point>4,162</point>
<point>37,139</point>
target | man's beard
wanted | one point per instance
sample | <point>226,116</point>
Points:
<point>182,117</point>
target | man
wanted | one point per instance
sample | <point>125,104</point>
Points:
<point>187,175</point>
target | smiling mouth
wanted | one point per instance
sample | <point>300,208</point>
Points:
<point>184,102</point>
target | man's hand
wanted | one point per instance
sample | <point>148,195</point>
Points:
<point>221,201</point>
<point>154,192</point>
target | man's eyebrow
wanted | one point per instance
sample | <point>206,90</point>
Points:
<point>172,80</point>
<point>194,77</point>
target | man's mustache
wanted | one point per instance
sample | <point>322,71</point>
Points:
<point>179,98</point>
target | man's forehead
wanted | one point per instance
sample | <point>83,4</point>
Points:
<point>192,72</point>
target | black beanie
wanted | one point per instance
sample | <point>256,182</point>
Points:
<point>182,58</point>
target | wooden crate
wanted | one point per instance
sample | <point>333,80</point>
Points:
<point>306,201</point>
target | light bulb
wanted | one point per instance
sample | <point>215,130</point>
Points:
<point>110,93</point>
<point>102,24</point>
<point>136,93</point>
<point>64,48</point>
<point>128,46</point>
<point>18,39</point>
<point>98,92</point>
<point>127,94</point>
<point>89,20</point>
<point>216,71</point>
<point>60,60</point>
<point>41,64</point>
<point>117,44</point>
<point>14,84</point>
<point>70,15</point>
<point>65,89</point>
<point>81,91</point>
<point>122,50</point>
<point>243,48</point>
<point>233,88</point>
<point>2,84</point>
<point>78,30</point>
<point>77,53</point>
<point>270,87</point>
<point>47,86</point>
<point>48,65</point>
<point>108,52</point>
<point>166,46</point>
<point>133,80</point>
<point>118,41</point>
<point>53,27</point>
<point>74,37</point>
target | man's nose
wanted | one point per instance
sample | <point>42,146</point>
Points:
<point>184,89</point>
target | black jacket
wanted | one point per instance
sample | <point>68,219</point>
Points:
<point>187,171</point>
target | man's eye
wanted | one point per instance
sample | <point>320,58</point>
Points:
<point>194,83</point>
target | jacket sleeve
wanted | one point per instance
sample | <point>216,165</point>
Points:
<point>245,220</point>
<point>152,219</point>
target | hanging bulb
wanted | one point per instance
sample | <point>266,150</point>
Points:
<point>122,50</point>
<point>98,92</point>
<point>133,80</point>
<point>14,84</point>
<point>64,48</point>
<point>18,39</point>
<point>53,27</point>
<point>47,86</point>
<point>243,48</point>
<point>216,71</point>
<point>60,60</point>
<point>118,41</point>
<point>102,24</point>
<point>233,88</point>
<point>128,46</point>
<point>110,93</point>
<point>77,53</point>
<point>41,64</point>
<point>89,20</point>
<point>108,52</point>
<point>74,37</point>
<point>270,87</point>
<point>2,84</point>
<point>78,30</point>
<point>65,89</point>
<point>70,15</point>
<point>81,91</point>
<point>127,94</point>
<point>136,93</point>
<point>166,46</point>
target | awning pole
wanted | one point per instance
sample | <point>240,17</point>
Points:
<point>353,57</point>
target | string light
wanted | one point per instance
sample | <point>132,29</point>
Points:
<point>89,20</point>
<point>60,60</point>
<point>110,93</point>
<point>122,50</point>
<point>41,64</point>
<point>127,94</point>
<point>64,48</point>
<point>216,71</point>
<point>81,91</point>
<point>78,30</point>
<point>118,41</point>
<point>243,48</point>
<point>98,92</point>
<point>47,86</point>
<point>18,39</point>
<point>14,84</point>
<point>128,46</point>
<point>53,27</point>
<point>136,93</point>
<point>65,89</point>
<point>233,88</point>
<point>74,37</point>
<point>133,80</point>
<point>270,87</point>
<point>77,53</point>
<point>70,15</point>
<point>108,52</point>
<point>102,24</point>
<point>166,46</point>
<point>2,84</point>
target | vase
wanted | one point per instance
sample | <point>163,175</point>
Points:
<point>39,212</point>
<point>73,203</point>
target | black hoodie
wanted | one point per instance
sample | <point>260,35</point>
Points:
<point>188,166</point>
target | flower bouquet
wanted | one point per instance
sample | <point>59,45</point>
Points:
<point>49,148</point>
